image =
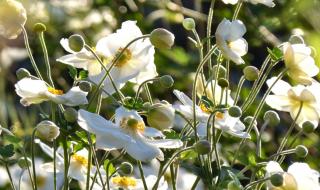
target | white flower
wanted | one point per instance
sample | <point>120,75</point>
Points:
<point>301,66</point>
<point>268,3</point>
<point>48,130</point>
<point>223,121</point>
<point>128,132</point>
<point>36,91</point>
<point>131,183</point>
<point>229,40</point>
<point>287,98</point>
<point>9,55</point>
<point>233,2</point>
<point>304,178</point>
<point>13,16</point>
<point>136,63</point>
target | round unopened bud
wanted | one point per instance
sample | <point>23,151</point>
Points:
<point>24,162</point>
<point>202,147</point>
<point>221,71</point>
<point>76,42</point>
<point>48,130</point>
<point>251,73</point>
<point>232,185</point>
<point>132,122</point>
<point>189,24</point>
<point>161,116</point>
<point>308,127</point>
<point>277,179</point>
<point>272,118</point>
<point>235,111</point>
<point>166,81</point>
<point>301,151</point>
<point>161,38</point>
<point>224,83</point>
<point>248,120</point>
<point>22,73</point>
<point>85,86</point>
<point>39,27</point>
<point>125,168</point>
<point>70,115</point>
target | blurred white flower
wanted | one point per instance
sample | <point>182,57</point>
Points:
<point>229,40</point>
<point>13,16</point>
<point>287,98</point>
<point>233,2</point>
<point>128,132</point>
<point>36,91</point>
<point>268,3</point>
<point>48,130</point>
<point>299,176</point>
<point>9,55</point>
<point>301,66</point>
<point>72,6</point>
<point>131,183</point>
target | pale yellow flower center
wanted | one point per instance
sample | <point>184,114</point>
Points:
<point>55,91</point>
<point>137,126</point>
<point>204,108</point>
<point>219,116</point>
<point>124,58</point>
<point>81,160</point>
<point>41,181</point>
<point>124,181</point>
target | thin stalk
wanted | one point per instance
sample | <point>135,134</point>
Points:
<point>142,175</point>
<point>259,141</point>
<point>195,183</point>
<point>98,167</point>
<point>46,57</point>
<point>290,145</point>
<point>255,183</point>
<point>140,87</point>
<point>209,26</point>
<point>146,88</point>
<point>66,161</point>
<point>107,168</point>
<point>33,159</point>
<point>238,8</point>
<point>10,177</point>
<point>241,81</point>
<point>291,151</point>
<point>54,165</point>
<point>173,179</point>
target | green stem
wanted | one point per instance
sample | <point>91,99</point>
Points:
<point>108,165</point>
<point>173,179</point>
<point>66,161</point>
<point>238,8</point>
<point>146,88</point>
<point>256,182</point>
<point>10,177</point>
<point>291,151</point>
<point>33,159</point>
<point>140,87</point>
<point>195,183</point>
<point>142,175</point>
<point>241,81</point>
<point>46,57</point>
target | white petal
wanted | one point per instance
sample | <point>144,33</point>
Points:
<point>239,46</point>
<point>273,167</point>
<point>308,113</point>
<point>281,103</point>
<point>149,72</point>
<point>233,2</point>
<point>306,178</point>
<point>78,60</point>
<point>280,88</point>
<point>166,143</point>
<point>74,97</point>
<point>184,99</point>
<point>152,132</point>
<point>236,31</point>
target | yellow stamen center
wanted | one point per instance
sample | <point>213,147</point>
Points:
<point>204,108</point>
<point>80,159</point>
<point>124,181</point>
<point>219,115</point>
<point>124,58</point>
<point>132,124</point>
<point>55,91</point>
<point>41,181</point>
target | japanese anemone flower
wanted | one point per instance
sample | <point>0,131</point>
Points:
<point>36,91</point>
<point>136,64</point>
<point>128,132</point>
<point>229,40</point>
<point>268,3</point>
<point>299,176</point>
<point>301,66</point>
<point>289,99</point>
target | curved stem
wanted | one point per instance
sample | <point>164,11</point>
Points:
<point>46,57</point>
<point>33,159</point>
<point>241,81</point>
<point>142,175</point>
<point>108,165</point>
<point>256,182</point>
<point>238,8</point>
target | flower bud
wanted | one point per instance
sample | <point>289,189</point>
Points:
<point>235,111</point>
<point>76,42</point>
<point>248,120</point>
<point>12,16</point>
<point>161,116</point>
<point>224,83</point>
<point>272,118</point>
<point>202,147</point>
<point>39,27</point>
<point>125,168</point>
<point>232,185</point>
<point>22,73</point>
<point>221,71</point>
<point>166,81</point>
<point>251,73</point>
<point>85,86</point>
<point>146,106</point>
<point>70,115</point>
<point>301,151</point>
<point>189,24</point>
<point>308,127</point>
<point>277,179</point>
<point>24,162</point>
<point>48,130</point>
<point>161,38</point>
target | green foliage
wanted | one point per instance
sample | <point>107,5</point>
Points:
<point>111,169</point>
<point>7,151</point>
<point>276,54</point>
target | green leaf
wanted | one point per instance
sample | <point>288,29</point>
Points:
<point>111,167</point>
<point>171,134</point>
<point>83,75</point>
<point>207,102</point>
<point>73,72</point>
<point>276,54</point>
<point>188,155</point>
<point>7,151</point>
<point>12,139</point>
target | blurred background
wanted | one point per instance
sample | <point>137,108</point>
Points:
<point>93,19</point>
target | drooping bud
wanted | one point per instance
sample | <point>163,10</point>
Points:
<point>233,185</point>
<point>162,38</point>
<point>70,115</point>
<point>221,71</point>
<point>48,130</point>
<point>308,127</point>
<point>85,86</point>
<point>301,151</point>
<point>166,81</point>
<point>277,179</point>
<point>161,116</point>
<point>189,24</point>
<point>202,147</point>
<point>272,118</point>
<point>39,27</point>
<point>248,120</point>
<point>76,42</point>
<point>22,73</point>
<point>251,73</point>
<point>24,162</point>
<point>125,168</point>
<point>235,111</point>
<point>224,83</point>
